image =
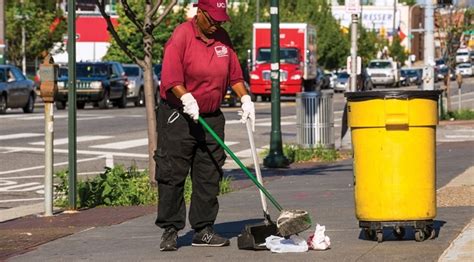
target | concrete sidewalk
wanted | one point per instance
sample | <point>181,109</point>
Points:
<point>326,191</point>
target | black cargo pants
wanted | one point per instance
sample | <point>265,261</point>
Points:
<point>183,148</point>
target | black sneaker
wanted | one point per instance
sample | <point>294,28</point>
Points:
<point>169,240</point>
<point>208,238</point>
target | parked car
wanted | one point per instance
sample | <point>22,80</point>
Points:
<point>411,76</point>
<point>16,91</point>
<point>322,80</point>
<point>157,70</point>
<point>384,72</point>
<point>463,55</point>
<point>136,84</point>
<point>465,69</point>
<point>230,98</point>
<point>97,82</point>
<point>342,82</point>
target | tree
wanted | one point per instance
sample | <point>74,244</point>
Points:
<point>44,27</point>
<point>129,34</point>
<point>397,51</point>
<point>145,22</point>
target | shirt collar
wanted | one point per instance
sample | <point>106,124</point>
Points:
<point>197,34</point>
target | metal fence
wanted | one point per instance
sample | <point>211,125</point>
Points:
<point>315,119</point>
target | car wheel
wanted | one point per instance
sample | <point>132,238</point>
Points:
<point>30,105</point>
<point>141,98</point>
<point>122,101</point>
<point>104,103</point>
<point>3,104</point>
<point>60,105</point>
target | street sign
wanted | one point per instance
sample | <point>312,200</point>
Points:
<point>349,65</point>
<point>353,7</point>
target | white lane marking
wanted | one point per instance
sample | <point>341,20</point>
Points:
<point>64,141</point>
<point>41,117</point>
<point>124,144</point>
<point>109,161</point>
<point>281,123</point>
<point>94,118</point>
<point>42,176</point>
<point>230,143</point>
<point>7,183</point>
<point>22,187</point>
<point>20,135</point>
<point>21,200</point>
<point>459,136</point>
<point>80,152</point>
<point>42,167</point>
<point>11,116</point>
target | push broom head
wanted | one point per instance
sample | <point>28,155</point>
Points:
<point>292,222</point>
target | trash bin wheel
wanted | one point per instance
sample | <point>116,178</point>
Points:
<point>379,236</point>
<point>369,234</point>
<point>399,232</point>
<point>420,235</point>
<point>429,232</point>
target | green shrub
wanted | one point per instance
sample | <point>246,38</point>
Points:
<point>296,153</point>
<point>117,187</point>
<point>464,114</point>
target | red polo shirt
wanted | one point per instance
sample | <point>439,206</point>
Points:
<point>204,68</point>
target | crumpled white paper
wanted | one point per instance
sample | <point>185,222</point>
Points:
<point>278,244</point>
<point>319,241</point>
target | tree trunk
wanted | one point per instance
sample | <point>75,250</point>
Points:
<point>150,106</point>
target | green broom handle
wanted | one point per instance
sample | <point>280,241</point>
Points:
<point>237,160</point>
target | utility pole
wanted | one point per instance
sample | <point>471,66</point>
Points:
<point>72,142</point>
<point>275,157</point>
<point>2,32</point>
<point>428,83</point>
<point>23,41</point>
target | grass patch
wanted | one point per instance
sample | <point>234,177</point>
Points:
<point>117,186</point>
<point>296,153</point>
<point>463,114</point>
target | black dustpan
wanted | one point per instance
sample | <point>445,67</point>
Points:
<point>253,236</point>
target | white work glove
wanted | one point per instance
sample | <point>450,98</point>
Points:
<point>190,106</point>
<point>248,110</point>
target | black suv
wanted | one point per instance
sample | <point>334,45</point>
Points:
<point>99,83</point>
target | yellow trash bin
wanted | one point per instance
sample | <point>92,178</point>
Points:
<point>394,145</point>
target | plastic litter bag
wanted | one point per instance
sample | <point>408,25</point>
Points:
<point>319,241</point>
<point>281,245</point>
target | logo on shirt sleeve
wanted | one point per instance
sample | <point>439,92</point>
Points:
<point>221,51</point>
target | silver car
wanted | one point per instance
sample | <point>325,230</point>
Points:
<point>16,91</point>
<point>136,83</point>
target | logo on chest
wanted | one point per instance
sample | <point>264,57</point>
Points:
<point>221,51</point>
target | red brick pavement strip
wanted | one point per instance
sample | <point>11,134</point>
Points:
<point>21,235</point>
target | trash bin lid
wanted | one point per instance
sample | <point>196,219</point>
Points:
<point>393,94</point>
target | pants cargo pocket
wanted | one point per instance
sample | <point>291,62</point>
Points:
<point>163,166</point>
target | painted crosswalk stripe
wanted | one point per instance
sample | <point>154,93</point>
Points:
<point>41,117</point>
<point>21,200</point>
<point>64,141</point>
<point>19,135</point>
<point>124,144</point>
<point>230,143</point>
<point>22,187</point>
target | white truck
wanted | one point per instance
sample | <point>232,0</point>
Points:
<point>383,73</point>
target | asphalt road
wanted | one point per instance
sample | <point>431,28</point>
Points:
<point>118,136</point>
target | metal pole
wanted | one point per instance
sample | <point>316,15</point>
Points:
<point>23,42</point>
<point>459,99</point>
<point>353,85</point>
<point>2,32</point>
<point>394,25</point>
<point>257,17</point>
<point>48,158</point>
<point>71,48</point>
<point>275,156</point>
<point>428,83</point>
